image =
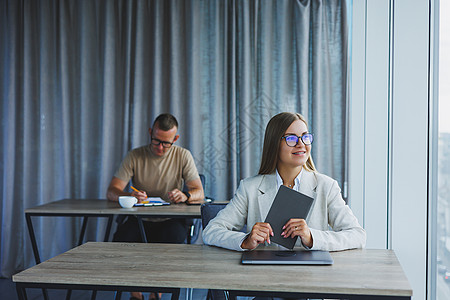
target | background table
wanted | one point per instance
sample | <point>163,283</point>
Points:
<point>355,274</point>
<point>103,208</point>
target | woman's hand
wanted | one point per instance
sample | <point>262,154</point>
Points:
<point>261,232</point>
<point>298,227</point>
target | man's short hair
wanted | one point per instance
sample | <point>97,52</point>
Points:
<point>165,122</point>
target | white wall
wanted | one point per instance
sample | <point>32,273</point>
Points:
<point>389,129</point>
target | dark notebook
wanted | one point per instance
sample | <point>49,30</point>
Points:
<point>277,257</point>
<point>287,204</point>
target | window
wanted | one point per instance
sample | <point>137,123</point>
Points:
<point>440,169</point>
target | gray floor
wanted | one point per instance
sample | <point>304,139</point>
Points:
<point>8,292</point>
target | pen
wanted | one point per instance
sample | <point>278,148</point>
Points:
<point>135,189</point>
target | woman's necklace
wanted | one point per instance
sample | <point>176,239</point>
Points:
<point>290,185</point>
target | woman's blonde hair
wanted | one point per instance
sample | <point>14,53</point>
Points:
<point>275,130</point>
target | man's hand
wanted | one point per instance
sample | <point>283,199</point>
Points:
<point>115,189</point>
<point>195,189</point>
<point>141,195</point>
<point>177,196</point>
<point>261,232</point>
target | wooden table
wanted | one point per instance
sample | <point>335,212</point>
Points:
<point>355,274</point>
<point>103,208</point>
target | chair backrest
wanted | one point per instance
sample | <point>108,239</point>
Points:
<point>202,179</point>
<point>209,211</point>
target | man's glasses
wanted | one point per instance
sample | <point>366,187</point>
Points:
<point>157,142</point>
<point>292,140</point>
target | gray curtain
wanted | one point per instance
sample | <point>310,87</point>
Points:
<point>81,81</point>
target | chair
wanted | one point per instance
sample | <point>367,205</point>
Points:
<point>194,224</point>
<point>209,211</point>
<point>202,179</point>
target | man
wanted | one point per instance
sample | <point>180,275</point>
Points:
<point>157,170</point>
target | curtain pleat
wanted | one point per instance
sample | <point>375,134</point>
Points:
<point>82,81</point>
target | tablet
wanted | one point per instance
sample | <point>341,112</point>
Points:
<point>287,204</point>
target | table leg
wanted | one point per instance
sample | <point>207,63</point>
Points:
<point>141,229</point>
<point>33,239</point>
<point>84,226</point>
<point>83,230</point>
<point>108,227</point>
<point>68,294</point>
<point>94,295</point>
<point>44,293</point>
<point>37,258</point>
<point>232,296</point>
<point>175,294</point>
<point>118,295</point>
<point>21,292</point>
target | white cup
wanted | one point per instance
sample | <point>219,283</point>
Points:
<point>127,201</point>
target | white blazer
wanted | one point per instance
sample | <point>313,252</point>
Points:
<point>333,225</point>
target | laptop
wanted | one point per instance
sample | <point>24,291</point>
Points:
<point>288,257</point>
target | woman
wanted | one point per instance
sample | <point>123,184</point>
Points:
<point>286,160</point>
